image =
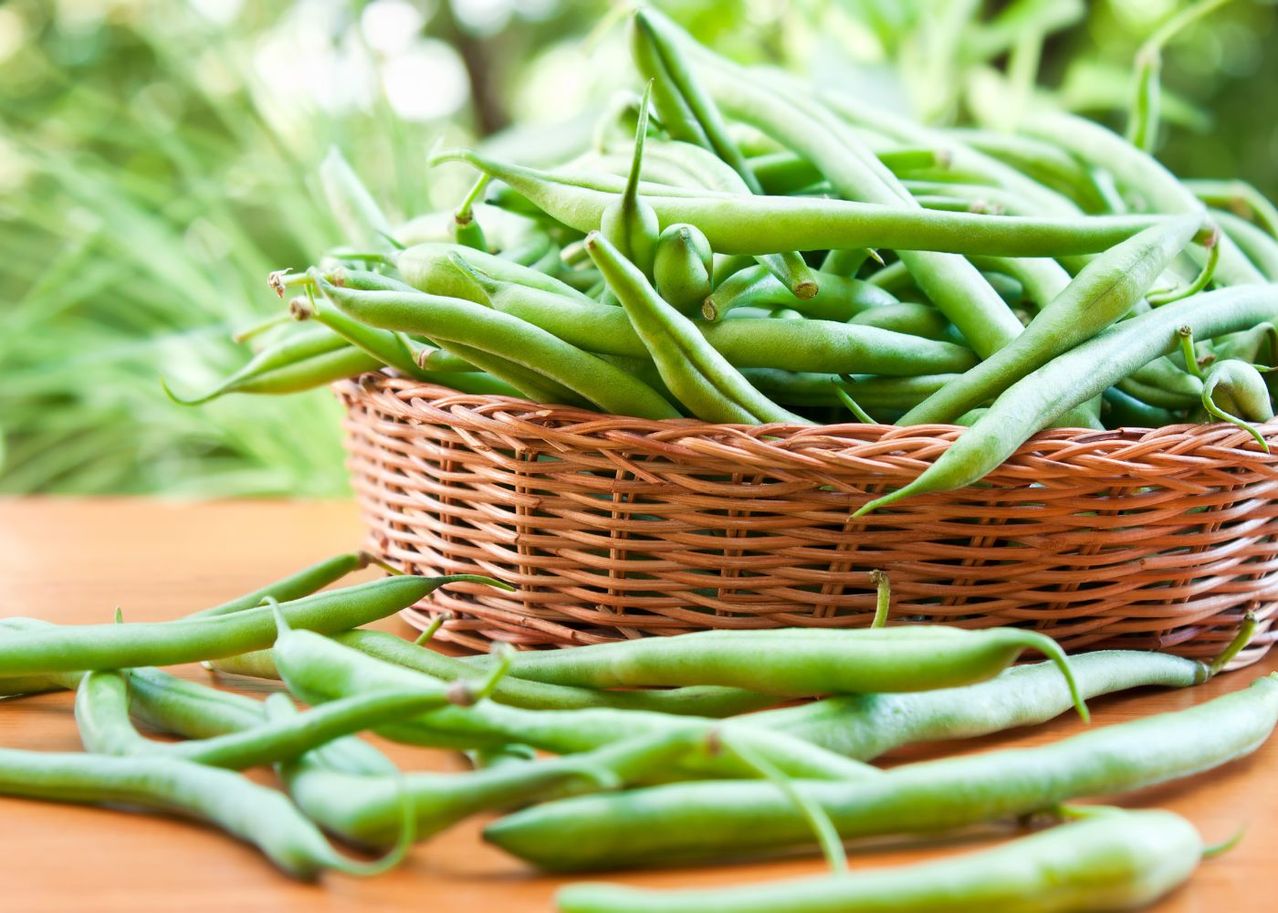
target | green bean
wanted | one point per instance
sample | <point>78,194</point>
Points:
<point>797,662</point>
<point>816,389</point>
<point>102,716</point>
<point>364,810</point>
<point>908,317</point>
<point>115,646</point>
<point>1103,292</point>
<point>816,345</point>
<point>331,670</point>
<point>1041,279</point>
<point>194,711</point>
<point>689,822</point>
<point>1042,162</point>
<point>1145,114</point>
<point>954,285</point>
<point>685,108</point>
<point>430,268</point>
<point>390,349</point>
<point>454,320</point>
<point>838,298</point>
<point>1257,246</point>
<point>630,223</point>
<point>255,814</point>
<point>1138,172</point>
<point>866,726</point>
<point>1238,198</point>
<point>1080,374</point>
<point>847,263</point>
<point>516,692</point>
<point>1111,861</point>
<point>682,266</point>
<point>1234,391</point>
<point>701,378</point>
<point>295,586</point>
<point>466,228</point>
<point>759,224</point>
<point>357,213</point>
<point>298,348</point>
<point>782,173</point>
<point>1122,410</point>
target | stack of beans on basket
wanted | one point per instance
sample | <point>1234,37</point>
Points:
<point>660,750</point>
<point>739,249</point>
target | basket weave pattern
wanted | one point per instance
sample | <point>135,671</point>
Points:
<point>614,527</point>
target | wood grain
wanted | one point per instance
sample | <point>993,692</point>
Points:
<point>75,561</point>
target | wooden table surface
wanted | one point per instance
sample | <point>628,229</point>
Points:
<point>74,561</point>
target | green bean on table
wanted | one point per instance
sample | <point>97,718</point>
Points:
<point>797,662</point>
<point>114,646</point>
<point>688,822</point>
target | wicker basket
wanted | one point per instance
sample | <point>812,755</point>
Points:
<point>614,527</point>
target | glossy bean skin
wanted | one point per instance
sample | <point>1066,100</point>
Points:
<point>102,716</point>
<point>331,671</point>
<point>816,389</point>
<point>687,822</point>
<point>252,813</point>
<point>908,317</point>
<point>517,692</point>
<point>690,367</point>
<point>795,662</point>
<point>127,645</point>
<point>1080,374</point>
<point>1105,290</point>
<point>1112,861</point>
<point>454,320</point>
<point>760,225</point>
<point>865,726</point>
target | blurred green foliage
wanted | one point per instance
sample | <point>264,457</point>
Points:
<point>158,158</point>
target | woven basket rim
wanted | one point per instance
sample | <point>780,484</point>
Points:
<point>794,446</point>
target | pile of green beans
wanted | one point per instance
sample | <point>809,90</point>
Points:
<point>664,750</point>
<point>979,267</point>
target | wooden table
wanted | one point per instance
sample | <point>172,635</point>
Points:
<point>74,561</point>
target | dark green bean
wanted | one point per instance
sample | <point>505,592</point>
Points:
<point>687,822</point>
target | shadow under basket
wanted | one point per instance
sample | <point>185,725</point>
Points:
<point>612,527</point>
